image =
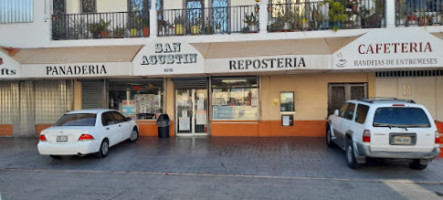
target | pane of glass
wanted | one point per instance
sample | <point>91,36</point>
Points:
<point>400,117</point>
<point>235,98</point>
<point>88,6</point>
<point>286,102</point>
<point>78,119</point>
<point>362,112</point>
<point>201,111</point>
<point>350,111</point>
<point>140,99</point>
<point>358,92</point>
<point>184,110</point>
<point>337,98</point>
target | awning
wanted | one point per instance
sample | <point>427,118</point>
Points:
<point>76,54</point>
<point>272,47</point>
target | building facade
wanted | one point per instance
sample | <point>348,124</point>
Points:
<point>216,67</point>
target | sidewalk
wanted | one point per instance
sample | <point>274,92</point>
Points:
<point>281,157</point>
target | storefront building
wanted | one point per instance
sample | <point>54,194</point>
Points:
<point>259,83</point>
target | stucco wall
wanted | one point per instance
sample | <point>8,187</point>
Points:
<point>310,93</point>
<point>424,90</point>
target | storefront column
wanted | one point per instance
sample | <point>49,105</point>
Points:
<point>77,95</point>
<point>170,104</point>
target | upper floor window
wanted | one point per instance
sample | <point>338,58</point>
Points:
<point>16,11</point>
<point>89,6</point>
<point>58,7</point>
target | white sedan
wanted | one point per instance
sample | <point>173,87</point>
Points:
<point>87,131</point>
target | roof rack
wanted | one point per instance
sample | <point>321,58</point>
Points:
<point>372,99</point>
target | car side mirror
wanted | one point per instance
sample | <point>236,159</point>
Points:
<point>336,112</point>
<point>128,118</point>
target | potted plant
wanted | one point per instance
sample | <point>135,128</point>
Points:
<point>100,29</point>
<point>252,22</point>
<point>179,22</point>
<point>195,25</point>
<point>118,32</point>
<point>336,13</point>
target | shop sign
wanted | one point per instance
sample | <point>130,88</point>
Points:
<point>268,63</point>
<point>77,70</point>
<point>381,49</point>
<point>9,68</point>
<point>165,57</point>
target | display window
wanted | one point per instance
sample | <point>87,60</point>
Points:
<point>140,99</point>
<point>235,98</point>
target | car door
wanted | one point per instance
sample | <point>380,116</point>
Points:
<point>347,122</point>
<point>337,124</point>
<point>123,127</point>
<point>110,127</point>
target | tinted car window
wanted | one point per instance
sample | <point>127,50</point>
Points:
<point>76,119</point>
<point>342,110</point>
<point>350,111</point>
<point>400,117</point>
<point>107,119</point>
<point>362,112</point>
<point>118,117</point>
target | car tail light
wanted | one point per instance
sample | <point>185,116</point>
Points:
<point>42,138</point>
<point>85,137</point>
<point>437,137</point>
<point>366,135</point>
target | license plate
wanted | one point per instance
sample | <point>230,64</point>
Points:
<point>402,140</point>
<point>62,138</point>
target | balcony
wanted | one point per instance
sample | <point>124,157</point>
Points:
<point>324,15</point>
<point>208,21</point>
<point>100,25</point>
<point>419,13</point>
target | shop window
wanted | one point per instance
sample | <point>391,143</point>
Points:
<point>287,102</point>
<point>138,99</point>
<point>235,98</point>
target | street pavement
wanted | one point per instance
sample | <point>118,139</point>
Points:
<point>210,168</point>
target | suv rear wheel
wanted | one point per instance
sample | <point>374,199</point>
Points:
<point>416,164</point>
<point>350,156</point>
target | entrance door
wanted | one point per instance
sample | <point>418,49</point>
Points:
<point>340,92</point>
<point>191,112</point>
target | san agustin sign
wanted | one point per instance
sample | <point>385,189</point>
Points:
<point>166,57</point>
<point>386,49</point>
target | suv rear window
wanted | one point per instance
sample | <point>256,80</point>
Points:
<point>400,117</point>
<point>76,119</point>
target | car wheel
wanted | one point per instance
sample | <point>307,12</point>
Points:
<point>350,156</point>
<point>55,157</point>
<point>104,148</point>
<point>329,138</point>
<point>416,164</point>
<point>134,136</point>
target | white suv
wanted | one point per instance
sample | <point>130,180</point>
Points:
<point>384,128</point>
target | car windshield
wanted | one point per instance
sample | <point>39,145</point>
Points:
<point>400,117</point>
<point>76,119</point>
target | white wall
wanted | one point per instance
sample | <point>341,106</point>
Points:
<point>423,90</point>
<point>35,33</point>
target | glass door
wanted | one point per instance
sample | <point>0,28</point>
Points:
<point>191,111</point>
<point>340,92</point>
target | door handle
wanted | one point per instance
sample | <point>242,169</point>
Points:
<point>119,125</point>
<point>107,129</point>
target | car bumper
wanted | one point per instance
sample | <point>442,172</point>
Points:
<point>365,151</point>
<point>77,148</point>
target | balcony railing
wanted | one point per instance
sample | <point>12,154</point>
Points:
<point>100,25</point>
<point>208,21</point>
<point>323,15</point>
<point>419,13</point>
